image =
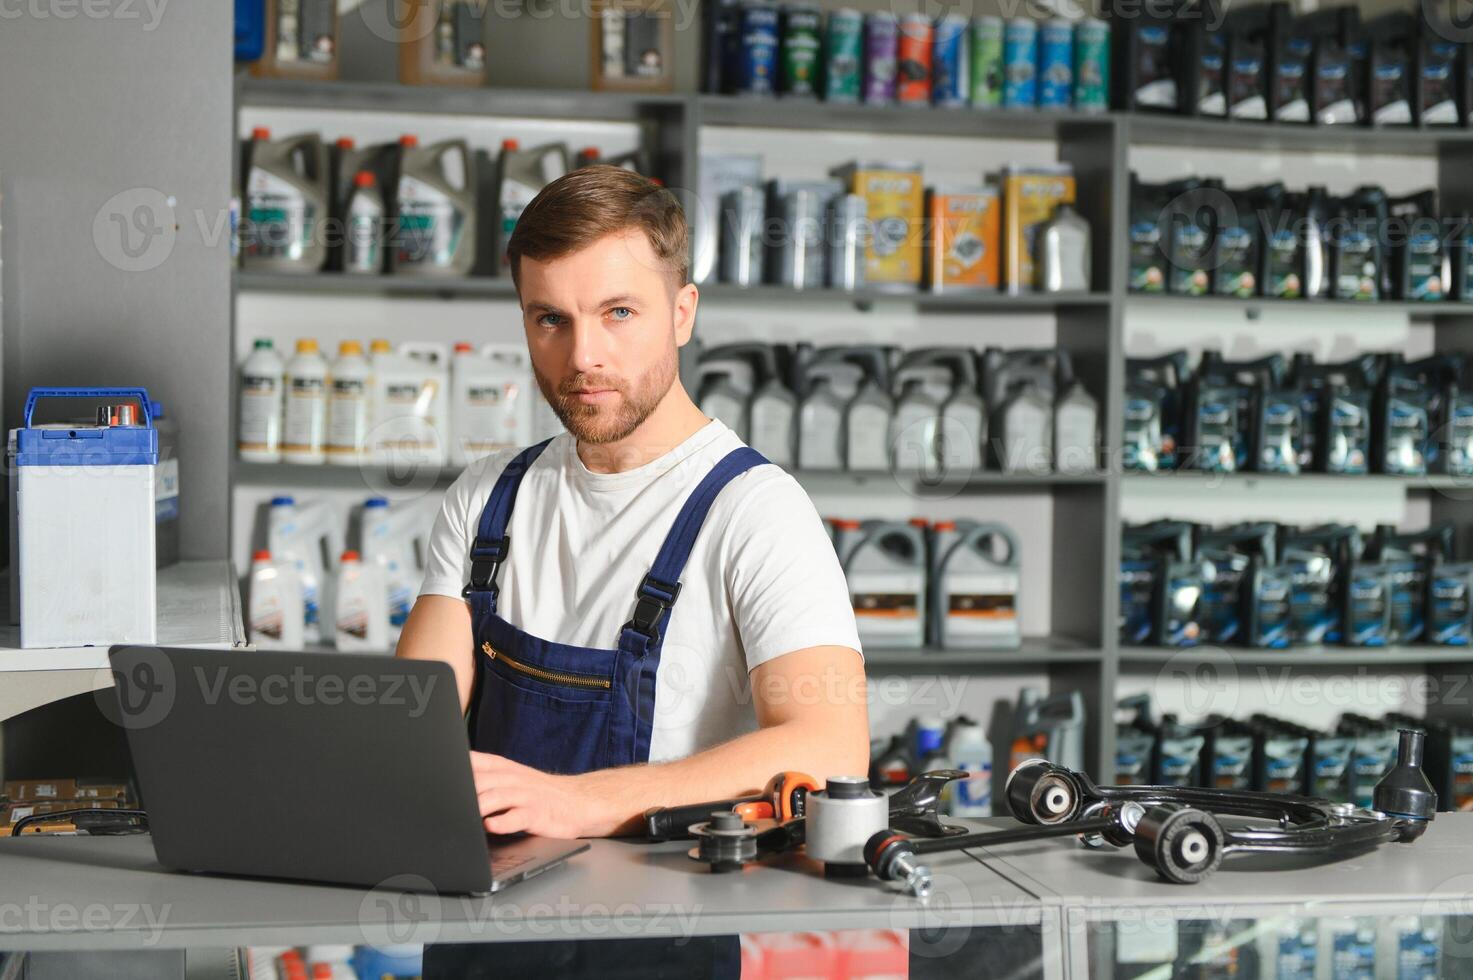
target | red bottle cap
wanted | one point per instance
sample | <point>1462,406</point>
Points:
<point>364,178</point>
<point>261,555</point>
<point>409,139</point>
<point>260,133</point>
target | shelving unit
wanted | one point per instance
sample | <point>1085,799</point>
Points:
<point>198,606</point>
<point>1082,651</point>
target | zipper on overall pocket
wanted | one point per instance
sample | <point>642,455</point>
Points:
<point>586,681</point>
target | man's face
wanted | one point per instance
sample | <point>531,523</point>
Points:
<point>603,328</point>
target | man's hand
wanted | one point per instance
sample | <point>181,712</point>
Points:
<point>514,797</point>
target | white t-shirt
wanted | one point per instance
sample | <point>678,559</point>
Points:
<point>762,580</point>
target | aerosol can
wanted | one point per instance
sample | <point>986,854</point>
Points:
<point>1048,728</point>
<point>886,571</point>
<point>976,576</point>
<point>395,539</point>
<point>296,535</point>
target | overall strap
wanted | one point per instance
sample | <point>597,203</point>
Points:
<point>661,587</point>
<point>492,543</point>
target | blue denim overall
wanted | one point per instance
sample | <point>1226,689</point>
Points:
<point>570,709</point>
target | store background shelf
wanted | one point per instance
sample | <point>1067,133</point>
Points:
<point>1317,656</point>
<point>1082,514</point>
<point>1254,304</point>
<point>501,287</point>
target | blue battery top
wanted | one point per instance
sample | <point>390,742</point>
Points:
<point>81,444</point>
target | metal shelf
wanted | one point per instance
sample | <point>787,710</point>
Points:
<point>382,97</point>
<point>1253,306</point>
<point>1035,652</point>
<point>329,283</point>
<point>811,114</point>
<point>1147,129</point>
<point>377,479</point>
<point>720,293</point>
<point>1306,482</point>
<point>1318,656</point>
<point>198,606</point>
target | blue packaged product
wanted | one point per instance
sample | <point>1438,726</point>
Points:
<point>1020,64</point>
<point>950,71</point>
<point>756,50</point>
<point>1055,64</point>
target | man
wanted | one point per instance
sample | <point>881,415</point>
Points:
<point>642,612</point>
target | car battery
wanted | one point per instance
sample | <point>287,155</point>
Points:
<point>84,508</point>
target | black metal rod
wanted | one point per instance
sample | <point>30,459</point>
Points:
<point>987,838</point>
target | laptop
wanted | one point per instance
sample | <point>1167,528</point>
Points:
<point>326,767</point>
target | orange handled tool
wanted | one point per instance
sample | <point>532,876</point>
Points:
<point>784,797</point>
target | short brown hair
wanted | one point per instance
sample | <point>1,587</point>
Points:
<point>586,204</point>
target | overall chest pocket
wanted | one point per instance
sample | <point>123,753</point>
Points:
<point>536,707</point>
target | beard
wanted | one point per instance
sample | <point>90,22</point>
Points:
<point>600,425</point>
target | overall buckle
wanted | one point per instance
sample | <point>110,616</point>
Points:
<point>649,609</point>
<point>487,554</point>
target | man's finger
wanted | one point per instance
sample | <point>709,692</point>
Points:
<point>497,799</point>
<point>511,822</point>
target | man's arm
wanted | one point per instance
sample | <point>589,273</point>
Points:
<point>812,708</point>
<point>439,628</point>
